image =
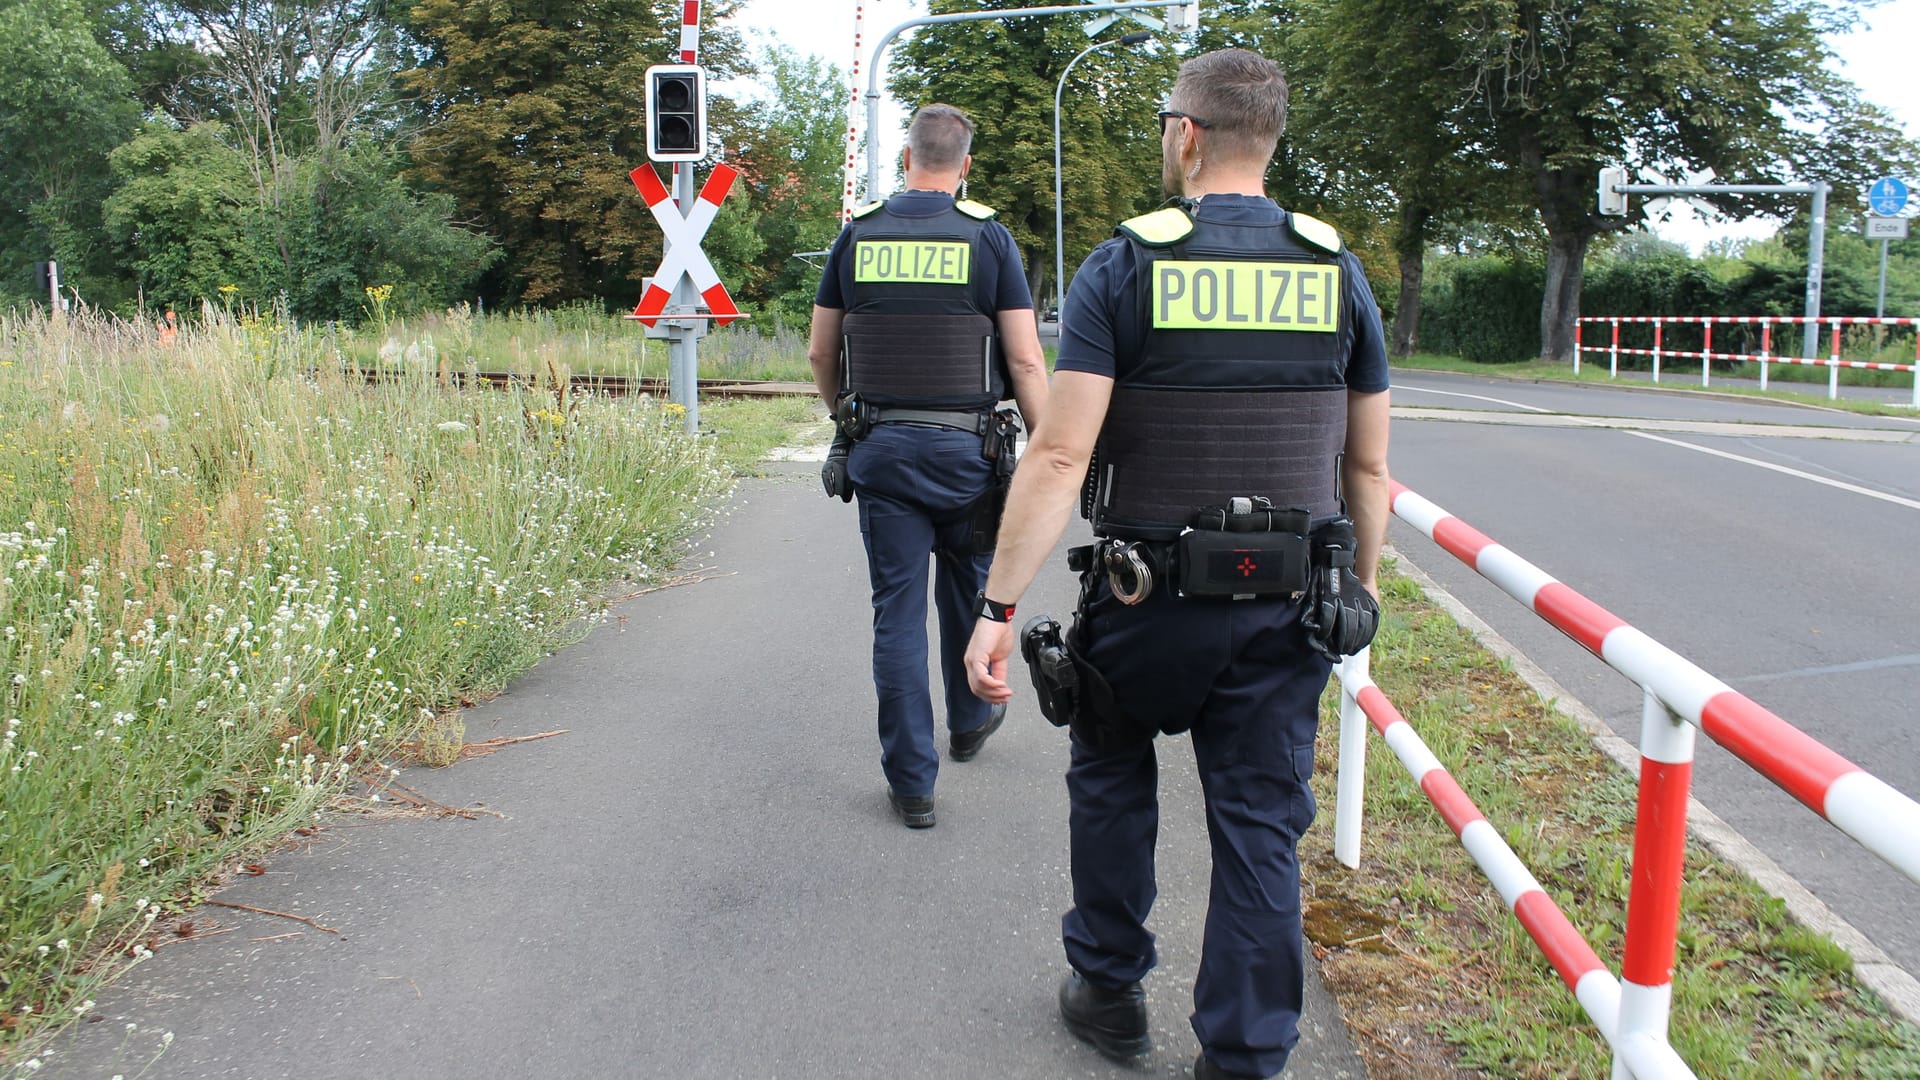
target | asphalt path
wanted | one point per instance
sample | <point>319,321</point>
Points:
<point>700,878</point>
<point>1786,562</point>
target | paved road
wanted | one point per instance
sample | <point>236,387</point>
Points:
<point>702,878</point>
<point>1787,565</point>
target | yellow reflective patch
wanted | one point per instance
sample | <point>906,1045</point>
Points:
<point>1160,228</point>
<point>1211,294</point>
<point>926,262</point>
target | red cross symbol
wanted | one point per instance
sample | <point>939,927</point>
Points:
<point>684,257</point>
<point>1247,566</point>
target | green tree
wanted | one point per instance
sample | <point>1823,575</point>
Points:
<point>1739,87</point>
<point>352,222</point>
<point>153,40</point>
<point>1375,104</point>
<point>791,163</point>
<point>338,221</point>
<point>184,217</point>
<point>533,123</point>
<point>1003,73</point>
<point>65,103</point>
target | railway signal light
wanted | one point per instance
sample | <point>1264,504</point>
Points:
<point>676,112</point>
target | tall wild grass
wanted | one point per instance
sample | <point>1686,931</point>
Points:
<point>233,577</point>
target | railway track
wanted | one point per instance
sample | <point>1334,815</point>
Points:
<point>628,385</point>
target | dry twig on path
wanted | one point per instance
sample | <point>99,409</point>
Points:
<point>482,749</point>
<point>277,914</point>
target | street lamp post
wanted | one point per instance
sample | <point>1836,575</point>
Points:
<point>1059,220</point>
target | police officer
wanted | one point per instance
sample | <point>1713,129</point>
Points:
<point>922,325</point>
<point>1221,365</point>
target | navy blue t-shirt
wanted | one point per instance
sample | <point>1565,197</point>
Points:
<point>999,283</point>
<point>1099,324</point>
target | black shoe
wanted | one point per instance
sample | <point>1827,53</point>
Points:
<point>1205,1069</point>
<point>915,810</point>
<point>963,745</point>
<point>1114,1021</point>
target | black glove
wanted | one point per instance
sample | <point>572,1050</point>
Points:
<point>833,474</point>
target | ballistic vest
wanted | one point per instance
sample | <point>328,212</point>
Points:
<point>913,335</point>
<point>1240,388</point>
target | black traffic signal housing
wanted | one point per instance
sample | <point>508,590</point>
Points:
<point>676,112</point>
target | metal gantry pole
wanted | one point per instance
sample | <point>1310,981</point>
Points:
<point>873,73</point>
<point>1816,261</point>
<point>1816,233</point>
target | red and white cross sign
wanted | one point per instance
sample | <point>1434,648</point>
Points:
<point>684,257</point>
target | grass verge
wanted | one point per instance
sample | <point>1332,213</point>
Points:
<point>1430,966</point>
<point>229,587</point>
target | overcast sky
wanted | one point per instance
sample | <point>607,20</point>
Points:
<point>1875,58</point>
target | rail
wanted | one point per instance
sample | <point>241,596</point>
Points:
<point>612,385</point>
<point>1765,357</point>
<point>1680,698</point>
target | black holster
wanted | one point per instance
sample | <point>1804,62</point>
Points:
<point>1072,692</point>
<point>1000,445</point>
<point>1340,615</point>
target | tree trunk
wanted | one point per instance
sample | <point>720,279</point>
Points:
<point>1038,262</point>
<point>1560,307</point>
<point>1567,210</point>
<point>1411,245</point>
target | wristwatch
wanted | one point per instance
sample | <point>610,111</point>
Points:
<point>992,609</point>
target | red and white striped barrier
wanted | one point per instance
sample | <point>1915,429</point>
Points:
<point>690,31</point>
<point>1599,993</point>
<point>1766,356</point>
<point>1882,819</point>
<point>853,114</point>
<point>1680,697</point>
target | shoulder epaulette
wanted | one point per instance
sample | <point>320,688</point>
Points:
<point>974,210</point>
<point>1315,232</point>
<point>869,208</point>
<point>1160,228</point>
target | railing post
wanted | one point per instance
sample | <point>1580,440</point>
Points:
<point>1350,786</point>
<point>1706,350</point>
<point>1766,350</point>
<point>1916,363</point>
<point>1657,326</point>
<point>1577,325</point>
<point>1659,862</point>
<point>1613,357</point>
<point>1833,365</point>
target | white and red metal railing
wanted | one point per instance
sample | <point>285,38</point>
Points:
<point>1680,697</point>
<point>1594,987</point>
<point>1705,355</point>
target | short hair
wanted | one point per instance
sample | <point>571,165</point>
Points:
<point>1241,95</point>
<point>940,137</point>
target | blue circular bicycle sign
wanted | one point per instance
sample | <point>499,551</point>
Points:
<point>1887,196</point>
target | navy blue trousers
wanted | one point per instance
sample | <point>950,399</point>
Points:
<point>1239,676</point>
<point>915,485</point>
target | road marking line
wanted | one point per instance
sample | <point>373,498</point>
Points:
<point>1911,504</point>
<point>1476,397</point>
<point>1837,669</point>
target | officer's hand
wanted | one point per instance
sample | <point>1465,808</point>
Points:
<point>833,474</point>
<point>833,477</point>
<point>987,661</point>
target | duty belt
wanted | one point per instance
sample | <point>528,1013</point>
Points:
<point>1245,550</point>
<point>977,422</point>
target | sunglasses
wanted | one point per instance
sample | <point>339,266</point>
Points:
<point>1169,114</point>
